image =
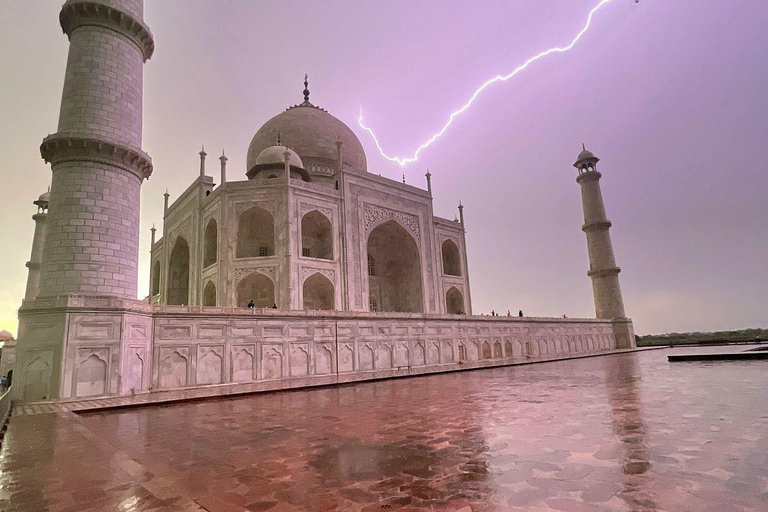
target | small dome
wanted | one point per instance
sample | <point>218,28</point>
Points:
<point>5,336</point>
<point>43,200</point>
<point>585,154</point>
<point>276,155</point>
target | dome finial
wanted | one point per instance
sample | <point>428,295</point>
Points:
<point>306,88</point>
<point>583,146</point>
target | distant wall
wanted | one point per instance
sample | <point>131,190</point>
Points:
<point>111,346</point>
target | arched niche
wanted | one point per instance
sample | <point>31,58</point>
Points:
<point>395,283</point>
<point>451,259</point>
<point>255,233</point>
<point>210,243</point>
<point>318,293</point>
<point>454,302</point>
<point>316,236</point>
<point>91,377</point>
<point>155,278</point>
<point>209,294</point>
<point>178,271</point>
<point>258,288</point>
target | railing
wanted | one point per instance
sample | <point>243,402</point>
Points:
<point>5,406</point>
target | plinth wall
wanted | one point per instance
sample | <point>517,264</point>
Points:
<point>77,347</point>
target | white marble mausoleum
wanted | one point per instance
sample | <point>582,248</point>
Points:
<point>305,270</point>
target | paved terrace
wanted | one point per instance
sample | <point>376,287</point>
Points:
<point>624,432</point>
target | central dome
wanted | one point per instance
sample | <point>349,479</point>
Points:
<point>312,133</point>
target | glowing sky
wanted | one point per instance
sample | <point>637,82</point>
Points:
<point>670,94</point>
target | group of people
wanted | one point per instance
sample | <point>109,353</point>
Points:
<point>519,313</point>
<point>251,305</point>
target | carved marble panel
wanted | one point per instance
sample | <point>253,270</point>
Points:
<point>375,215</point>
<point>210,364</point>
<point>243,363</point>
<point>272,361</point>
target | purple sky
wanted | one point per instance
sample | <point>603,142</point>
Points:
<point>670,94</point>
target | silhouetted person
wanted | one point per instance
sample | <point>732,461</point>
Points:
<point>493,312</point>
<point>274,305</point>
<point>520,313</point>
<point>508,313</point>
<point>251,304</point>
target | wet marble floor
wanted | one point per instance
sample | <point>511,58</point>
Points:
<point>628,432</point>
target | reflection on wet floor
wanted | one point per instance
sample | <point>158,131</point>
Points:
<point>626,433</point>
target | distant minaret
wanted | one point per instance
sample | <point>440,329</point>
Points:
<point>40,218</point>
<point>602,264</point>
<point>92,241</point>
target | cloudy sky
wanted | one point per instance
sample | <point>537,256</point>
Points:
<point>670,94</point>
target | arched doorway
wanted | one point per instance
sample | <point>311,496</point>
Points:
<point>209,294</point>
<point>178,284</point>
<point>258,288</point>
<point>451,259</point>
<point>318,293</point>
<point>316,236</point>
<point>211,243</point>
<point>454,302</point>
<point>394,269</point>
<point>255,233</point>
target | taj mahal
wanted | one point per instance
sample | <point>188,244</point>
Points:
<point>305,268</point>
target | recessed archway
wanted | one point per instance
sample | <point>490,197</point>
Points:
<point>255,233</point>
<point>258,288</point>
<point>316,236</point>
<point>454,302</point>
<point>211,244</point>
<point>318,293</point>
<point>395,279</point>
<point>451,259</point>
<point>155,278</point>
<point>178,284</point>
<point>209,294</point>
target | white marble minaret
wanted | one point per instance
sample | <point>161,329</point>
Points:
<point>602,263</point>
<point>40,218</point>
<point>90,250</point>
<point>96,158</point>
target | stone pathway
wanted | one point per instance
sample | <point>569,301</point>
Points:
<point>625,433</point>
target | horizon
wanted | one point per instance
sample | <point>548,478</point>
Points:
<point>637,90</point>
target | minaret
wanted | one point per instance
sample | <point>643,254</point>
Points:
<point>223,159</point>
<point>602,263</point>
<point>92,243</point>
<point>40,218</point>
<point>203,154</point>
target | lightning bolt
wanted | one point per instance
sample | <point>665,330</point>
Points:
<point>499,78</point>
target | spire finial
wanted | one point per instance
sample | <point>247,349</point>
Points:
<point>583,146</point>
<point>306,87</point>
<point>403,178</point>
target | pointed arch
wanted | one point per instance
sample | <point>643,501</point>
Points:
<point>451,258</point>
<point>255,233</point>
<point>155,278</point>
<point>211,243</point>
<point>396,281</point>
<point>316,236</point>
<point>454,302</point>
<point>178,284</point>
<point>258,288</point>
<point>209,294</point>
<point>318,293</point>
